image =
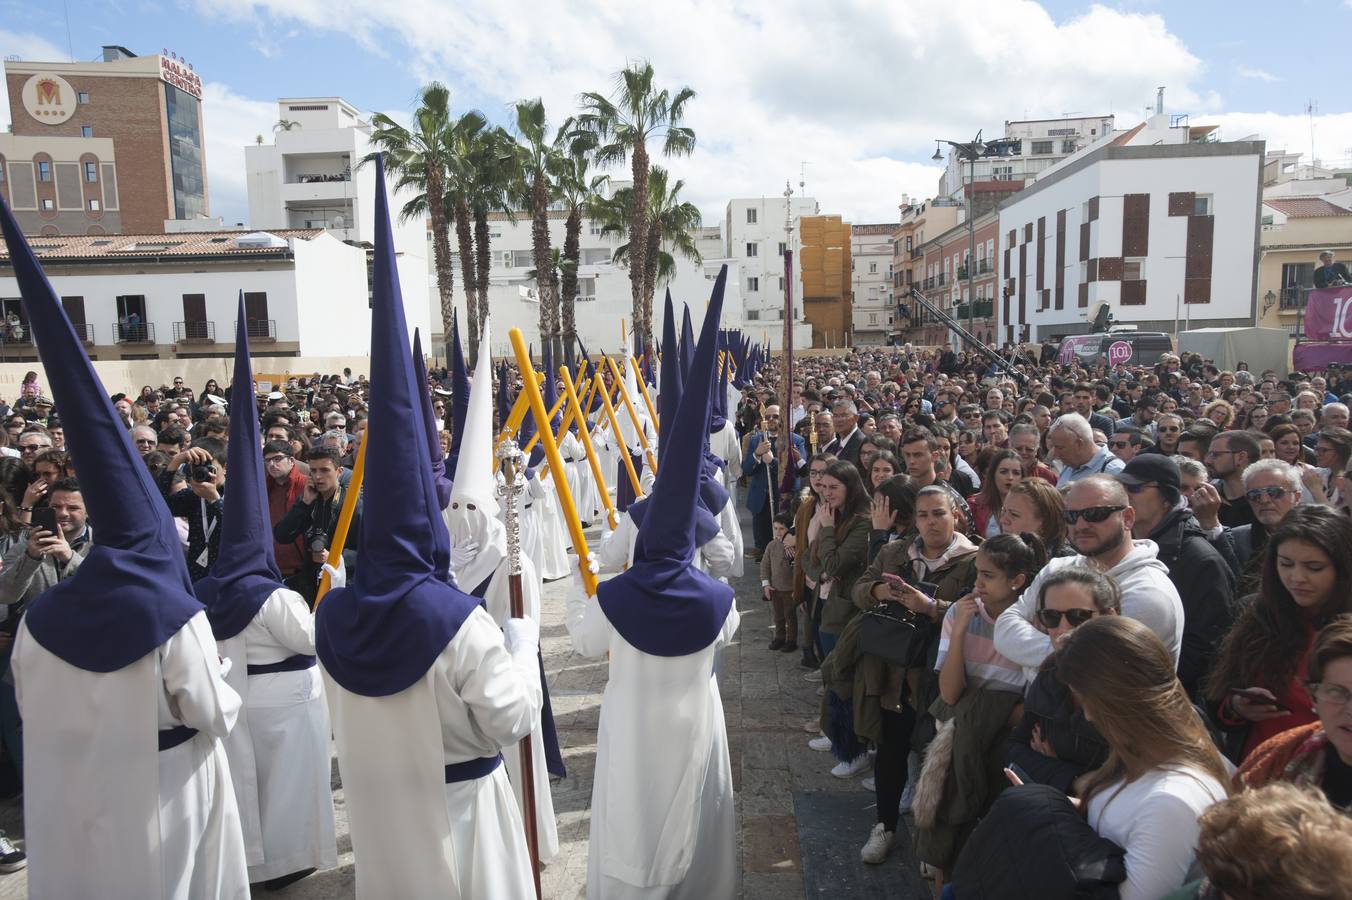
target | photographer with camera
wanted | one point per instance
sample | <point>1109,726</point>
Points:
<point>314,518</point>
<point>203,466</point>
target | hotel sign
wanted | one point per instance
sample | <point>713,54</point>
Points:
<point>49,99</point>
<point>177,73</point>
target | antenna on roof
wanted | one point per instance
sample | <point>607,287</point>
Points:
<point>1310,109</point>
<point>1159,100</point>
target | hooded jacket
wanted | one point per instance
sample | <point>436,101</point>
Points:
<point>1148,596</point>
<point>1206,586</point>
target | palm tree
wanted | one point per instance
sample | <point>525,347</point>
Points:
<point>577,188</point>
<point>284,125</point>
<point>421,158</point>
<point>460,187</point>
<point>536,157</point>
<point>495,166</point>
<point>671,226</point>
<point>621,128</point>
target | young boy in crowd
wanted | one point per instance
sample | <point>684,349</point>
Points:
<point>776,569</point>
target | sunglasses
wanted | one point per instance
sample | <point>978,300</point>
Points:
<point>1273,492</point>
<point>1119,445</point>
<point>1051,618</point>
<point>1094,514</point>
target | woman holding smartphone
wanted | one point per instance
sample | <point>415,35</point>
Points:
<point>1258,686</point>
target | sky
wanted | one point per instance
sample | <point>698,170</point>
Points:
<point>848,95</point>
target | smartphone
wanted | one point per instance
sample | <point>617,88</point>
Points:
<point>894,580</point>
<point>1018,770</point>
<point>44,517</point>
<point>1253,695</point>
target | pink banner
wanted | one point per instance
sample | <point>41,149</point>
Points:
<point>1328,316</point>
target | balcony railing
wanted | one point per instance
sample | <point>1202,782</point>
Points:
<point>259,329</point>
<point>982,310</point>
<point>17,334</point>
<point>984,267</point>
<point>195,332</point>
<point>1294,297</point>
<point>917,251</point>
<point>84,331</point>
<point>141,333</point>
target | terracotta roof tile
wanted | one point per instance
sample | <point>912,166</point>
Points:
<point>1306,207</point>
<point>125,246</point>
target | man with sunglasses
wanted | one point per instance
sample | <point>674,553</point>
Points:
<point>1100,519</point>
<point>1203,577</point>
<point>1126,443</point>
<point>1230,453</point>
<point>1272,489</point>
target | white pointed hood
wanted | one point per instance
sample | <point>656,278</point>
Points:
<point>474,470</point>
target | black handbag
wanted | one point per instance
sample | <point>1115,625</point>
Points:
<point>893,633</point>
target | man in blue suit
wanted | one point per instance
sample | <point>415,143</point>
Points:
<point>763,455</point>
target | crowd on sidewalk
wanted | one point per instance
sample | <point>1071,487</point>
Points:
<point>1122,590</point>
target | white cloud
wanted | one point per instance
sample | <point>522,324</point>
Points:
<point>1257,74</point>
<point>229,122</point>
<point>1291,132</point>
<point>24,46</point>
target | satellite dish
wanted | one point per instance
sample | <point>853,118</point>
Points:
<point>339,222</point>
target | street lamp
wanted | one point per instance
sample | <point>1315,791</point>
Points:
<point>1268,300</point>
<point>968,152</point>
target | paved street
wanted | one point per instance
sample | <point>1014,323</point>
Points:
<point>766,702</point>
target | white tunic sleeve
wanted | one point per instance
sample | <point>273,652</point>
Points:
<point>612,553</point>
<point>289,621</point>
<point>501,691</point>
<point>198,696</point>
<point>718,556</point>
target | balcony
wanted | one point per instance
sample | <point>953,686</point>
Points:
<point>141,333</point>
<point>1294,297</point>
<point>84,331</point>
<point>259,329</point>
<point>15,334</point>
<point>195,332</point>
<point>982,310</point>
<point>917,251</point>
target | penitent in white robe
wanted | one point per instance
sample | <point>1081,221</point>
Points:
<point>581,484</point>
<point>553,562</point>
<point>279,749</point>
<point>414,836</point>
<point>615,551</point>
<point>662,825</point>
<point>105,814</point>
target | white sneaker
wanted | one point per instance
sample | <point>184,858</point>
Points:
<point>851,768</point>
<point>907,798</point>
<point>821,744</point>
<point>879,843</point>
<point>815,676</point>
<point>868,783</point>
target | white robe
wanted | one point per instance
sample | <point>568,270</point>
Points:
<point>662,823</point>
<point>581,484</point>
<point>553,533</point>
<point>105,814</point>
<point>415,837</point>
<point>615,551</point>
<point>279,750</point>
<point>498,600</point>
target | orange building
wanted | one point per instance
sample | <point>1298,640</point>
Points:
<point>825,263</point>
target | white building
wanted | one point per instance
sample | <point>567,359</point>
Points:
<point>1159,222</point>
<point>604,304</point>
<point>175,296</point>
<point>871,282</point>
<point>754,234</point>
<point>312,176</point>
<point>1028,149</point>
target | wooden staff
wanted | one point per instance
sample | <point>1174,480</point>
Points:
<point>643,389</point>
<point>619,439</point>
<point>513,461</point>
<point>537,405</point>
<point>345,516</point>
<point>585,435</point>
<point>633,415</point>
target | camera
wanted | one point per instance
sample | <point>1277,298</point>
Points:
<point>202,473</point>
<point>316,540</point>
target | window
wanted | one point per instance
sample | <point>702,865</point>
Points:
<point>86,131</point>
<point>91,171</point>
<point>781,284</point>
<point>1002,173</point>
<point>594,256</point>
<point>751,217</point>
<point>586,290</point>
<point>1133,268</point>
<point>752,249</point>
<point>1042,147</point>
<point>783,248</point>
<point>752,285</point>
<point>522,259</point>
<point>1068,146</point>
<point>753,315</point>
<point>44,170</point>
<point>82,97</point>
<point>594,227</point>
<point>49,204</point>
<point>1201,205</point>
<point>873,318</point>
<point>873,268</point>
<point>94,206</point>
